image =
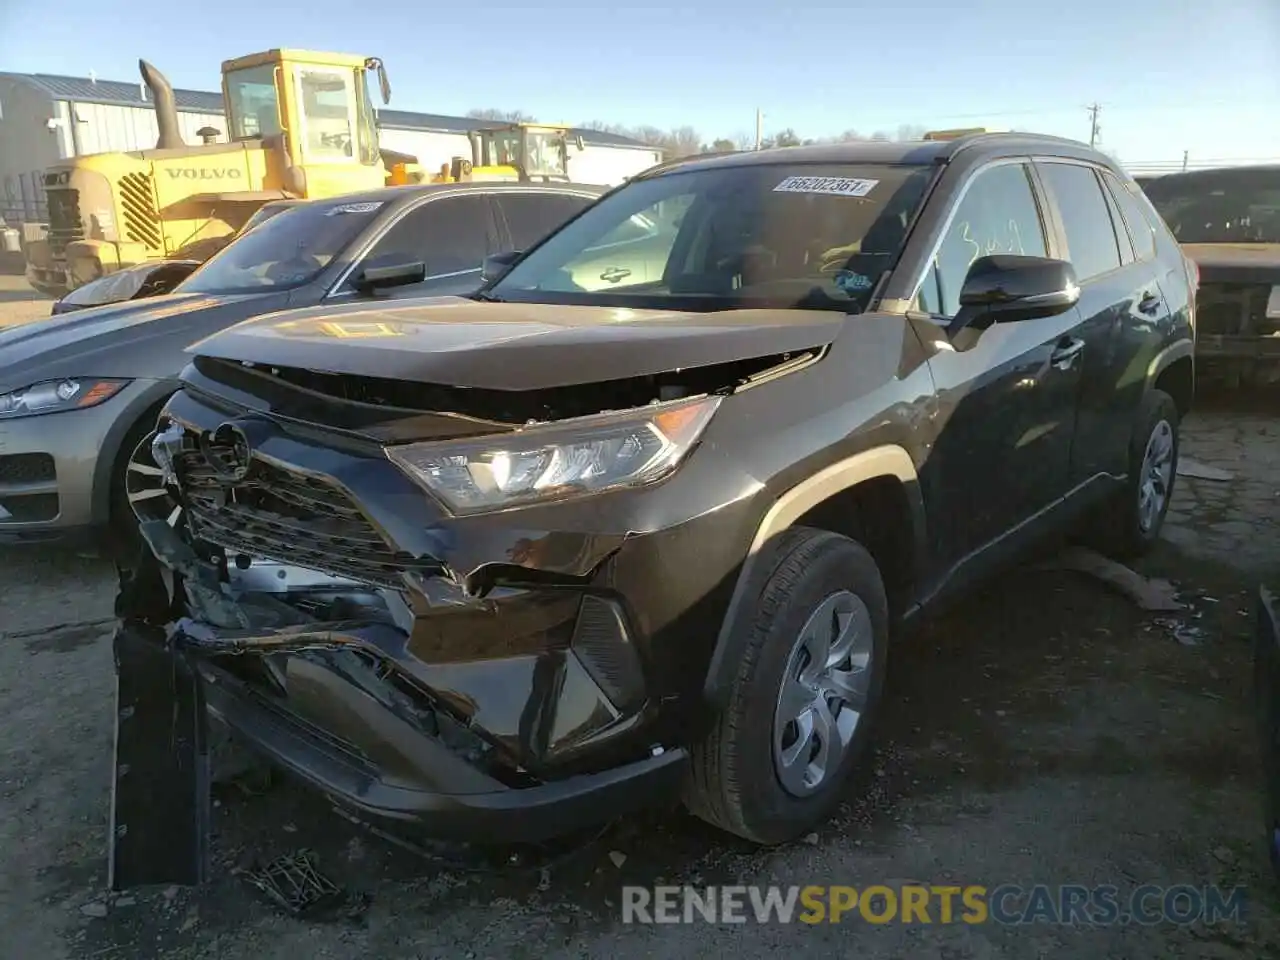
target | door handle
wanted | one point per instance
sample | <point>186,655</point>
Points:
<point>1065,353</point>
<point>1149,303</point>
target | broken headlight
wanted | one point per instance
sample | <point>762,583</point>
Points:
<point>558,460</point>
<point>53,396</point>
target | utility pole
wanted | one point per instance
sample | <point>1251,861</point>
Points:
<point>1094,129</point>
<point>1186,155</point>
<point>759,128</point>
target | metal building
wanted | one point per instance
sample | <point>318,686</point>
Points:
<point>46,118</point>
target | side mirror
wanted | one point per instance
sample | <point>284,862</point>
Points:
<point>396,275</point>
<point>496,265</point>
<point>1006,288</point>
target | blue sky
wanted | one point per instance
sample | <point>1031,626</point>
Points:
<point>1170,75</point>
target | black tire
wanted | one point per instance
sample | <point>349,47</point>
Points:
<point>121,540</point>
<point>733,782</point>
<point>1117,529</point>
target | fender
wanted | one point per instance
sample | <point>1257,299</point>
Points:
<point>889,460</point>
<point>1170,354</point>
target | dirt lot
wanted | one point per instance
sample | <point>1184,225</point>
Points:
<point>18,302</point>
<point>1044,731</point>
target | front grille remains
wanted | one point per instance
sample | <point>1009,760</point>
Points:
<point>141,221</point>
<point>276,514</point>
<point>65,224</point>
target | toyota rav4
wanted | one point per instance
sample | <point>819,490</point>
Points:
<point>638,521</point>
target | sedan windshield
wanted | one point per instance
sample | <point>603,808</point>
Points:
<point>285,251</point>
<point>1219,206</point>
<point>755,235</point>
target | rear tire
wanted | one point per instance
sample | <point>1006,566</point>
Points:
<point>775,763</point>
<point>1128,524</point>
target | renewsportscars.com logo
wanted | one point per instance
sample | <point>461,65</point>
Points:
<point>1008,904</point>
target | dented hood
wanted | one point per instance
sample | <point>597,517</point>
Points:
<point>509,346</point>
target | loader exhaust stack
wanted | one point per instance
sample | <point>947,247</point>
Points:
<point>166,107</point>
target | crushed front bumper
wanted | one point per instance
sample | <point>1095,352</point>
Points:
<point>168,692</point>
<point>342,706</point>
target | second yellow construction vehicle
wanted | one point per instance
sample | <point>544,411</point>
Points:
<point>300,125</point>
<point>522,152</point>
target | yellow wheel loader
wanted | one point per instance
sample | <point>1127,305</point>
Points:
<point>521,152</point>
<point>300,126</point>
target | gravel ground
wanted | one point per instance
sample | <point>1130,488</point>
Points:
<point>1045,730</point>
<point>18,302</point>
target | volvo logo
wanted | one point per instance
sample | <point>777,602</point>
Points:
<point>228,452</point>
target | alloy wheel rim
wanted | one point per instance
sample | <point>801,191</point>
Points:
<point>823,693</point>
<point>144,485</point>
<point>1156,476</point>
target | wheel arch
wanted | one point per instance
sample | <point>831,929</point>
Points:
<point>147,404</point>
<point>1173,371</point>
<point>886,467</point>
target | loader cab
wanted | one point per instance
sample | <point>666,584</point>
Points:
<point>522,151</point>
<point>316,113</point>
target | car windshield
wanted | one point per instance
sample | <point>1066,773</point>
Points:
<point>1220,206</point>
<point>287,250</point>
<point>750,235</point>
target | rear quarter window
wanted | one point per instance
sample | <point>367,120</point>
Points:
<point>1138,217</point>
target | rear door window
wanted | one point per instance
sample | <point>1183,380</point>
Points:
<point>1092,246</point>
<point>451,236</point>
<point>531,216</point>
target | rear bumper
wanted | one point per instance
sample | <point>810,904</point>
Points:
<point>440,794</point>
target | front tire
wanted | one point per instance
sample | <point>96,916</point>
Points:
<point>775,763</point>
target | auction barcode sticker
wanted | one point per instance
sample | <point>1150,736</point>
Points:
<point>839,186</point>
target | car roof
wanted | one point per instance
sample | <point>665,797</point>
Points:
<point>412,191</point>
<point>978,146</point>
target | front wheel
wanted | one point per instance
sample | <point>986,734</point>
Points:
<point>799,714</point>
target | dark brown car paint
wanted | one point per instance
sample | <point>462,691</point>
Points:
<point>975,445</point>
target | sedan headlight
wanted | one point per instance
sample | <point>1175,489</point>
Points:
<point>53,396</point>
<point>557,460</point>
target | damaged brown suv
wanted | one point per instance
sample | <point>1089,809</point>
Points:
<point>635,522</point>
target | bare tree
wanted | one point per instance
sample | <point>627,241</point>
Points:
<point>911,131</point>
<point>504,116</point>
